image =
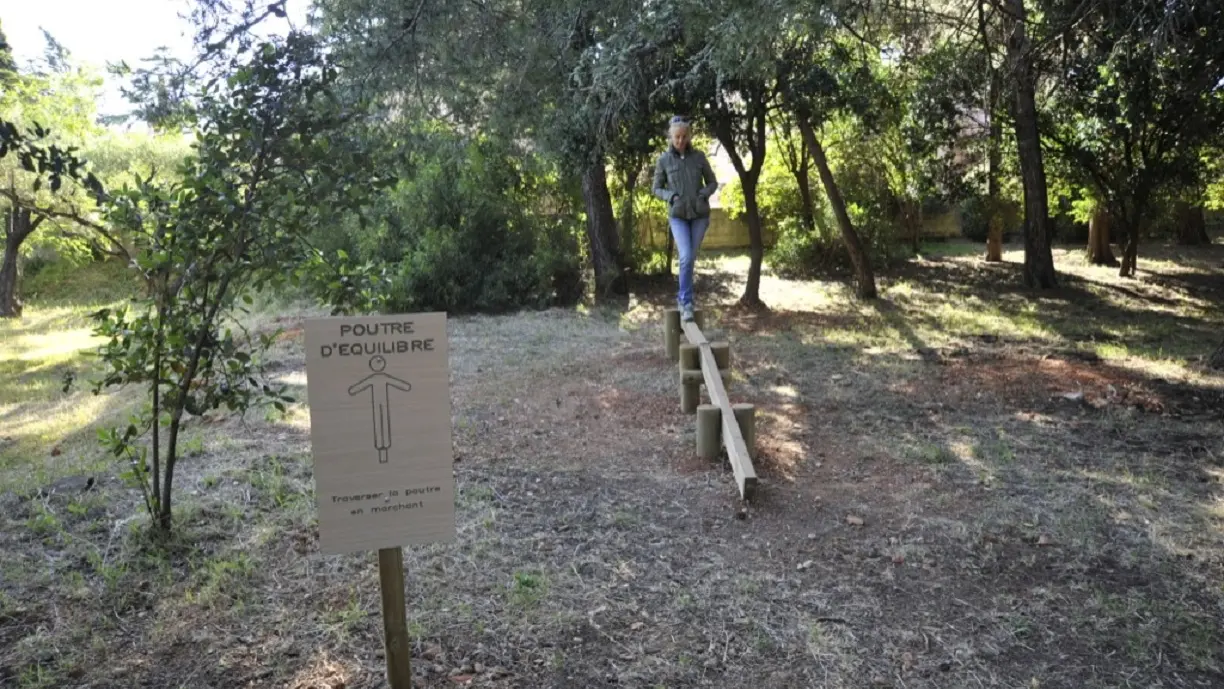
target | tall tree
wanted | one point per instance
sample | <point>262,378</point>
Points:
<point>812,91</point>
<point>722,65</point>
<point>1140,99</point>
<point>798,158</point>
<point>8,65</point>
<point>54,104</point>
<point>1038,230</point>
<point>739,122</point>
<point>275,150</point>
<point>994,136</point>
<point>522,70</point>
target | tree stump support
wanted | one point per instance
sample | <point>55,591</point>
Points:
<point>671,333</point>
<point>745,418</point>
<point>690,378</point>
<point>709,431</point>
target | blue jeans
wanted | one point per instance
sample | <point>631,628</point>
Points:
<point>688,235</point>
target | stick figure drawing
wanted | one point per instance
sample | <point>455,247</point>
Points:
<point>379,384</point>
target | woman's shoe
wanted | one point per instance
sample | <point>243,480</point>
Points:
<point>686,314</point>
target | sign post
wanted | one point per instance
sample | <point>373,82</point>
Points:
<point>380,432</point>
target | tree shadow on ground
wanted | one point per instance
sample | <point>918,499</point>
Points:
<point>1058,505</point>
<point>1081,309</point>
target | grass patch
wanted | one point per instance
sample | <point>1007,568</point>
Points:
<point>930,453</point>
<point>47,412</point>
<point>528,588</point>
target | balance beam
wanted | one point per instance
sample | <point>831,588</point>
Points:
<point>733,437</point>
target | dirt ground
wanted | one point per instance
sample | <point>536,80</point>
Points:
<point>965,485</point>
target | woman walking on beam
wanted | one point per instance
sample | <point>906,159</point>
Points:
<point>684,180</point>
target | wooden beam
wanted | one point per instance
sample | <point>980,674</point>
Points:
<point>737,449</point>
<point>693,333</point>
<point>697,376</point>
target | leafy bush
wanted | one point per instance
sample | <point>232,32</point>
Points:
<point>473,226</point>
<point>975,224</point>
<point>799,253</point>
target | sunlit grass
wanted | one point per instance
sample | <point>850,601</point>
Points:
<point>46,432</point>
<point>1129,321</point>
<point>973,317</point>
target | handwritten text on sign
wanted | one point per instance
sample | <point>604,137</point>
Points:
<point>380,430</point>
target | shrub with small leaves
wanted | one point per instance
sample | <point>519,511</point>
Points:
<point>275,153</point>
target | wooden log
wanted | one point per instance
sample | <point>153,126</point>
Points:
<point>745,417</point>
<point>722,354</point>
<point>709,420</point>
<point>699,319</point>
<point>671,332</point>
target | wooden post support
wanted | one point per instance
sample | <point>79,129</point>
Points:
<point>699,318</point>
<point>671,332</point>
<point>690,357</point>
<point>690,395</point>
<point>745,417</point>
<point>690,387</point>
<point>709,431</point>
<point>395,621</point>
<point>722,354</point>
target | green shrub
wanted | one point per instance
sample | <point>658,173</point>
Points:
<point>474,225</point>
<point>975,225</point>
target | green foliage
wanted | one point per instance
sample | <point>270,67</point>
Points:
<point>777,191</point>
<point>975,217</point>
<point>1140,101</point>
<point>798,252</point>
<point>272,147</point>
<point>473,225</point>
<point>46,115</point>
<point>920,134</point>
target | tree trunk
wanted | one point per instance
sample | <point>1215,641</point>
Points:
<point>913,223</point>
<point>1038,258</point>
<point>805,196</point>
<point>756,250</point>
<point>1192,225</point>
<point>994,236</point>
<point>602,236</point>
<point>749,177</point>
<point>994,149</point>
<point>164,512</point>
<point>628,219</point>
<point>854,246</point>
<point>1131,216</point>
<point>19,225</point>
<point>1099,252</point>
<point>1130,253</point>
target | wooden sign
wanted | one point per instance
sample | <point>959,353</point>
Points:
<point>380,428</point>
